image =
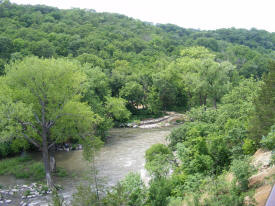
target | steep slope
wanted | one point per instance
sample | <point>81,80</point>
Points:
<point>264,179</point>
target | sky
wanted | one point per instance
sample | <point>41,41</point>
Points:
<point>196,14</point>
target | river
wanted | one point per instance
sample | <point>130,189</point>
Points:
<point>123,153</point>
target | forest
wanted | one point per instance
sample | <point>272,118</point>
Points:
<point>69,76</point>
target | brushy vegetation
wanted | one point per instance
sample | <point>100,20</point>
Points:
<point>27,168</point>
<point>107,69</point>
<point>22,167</point>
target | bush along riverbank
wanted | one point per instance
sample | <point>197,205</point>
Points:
<point>25,167</point>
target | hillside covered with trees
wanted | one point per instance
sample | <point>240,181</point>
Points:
<point>71,75</point>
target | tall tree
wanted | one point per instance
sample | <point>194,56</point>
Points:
<point>203,76</point>
<point>40,102</point>
<point>264,112</point>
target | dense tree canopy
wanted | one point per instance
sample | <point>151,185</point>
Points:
<point>40,102</point>
<point>70,75</point>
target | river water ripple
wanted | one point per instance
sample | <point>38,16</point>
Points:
<point>123,153</point>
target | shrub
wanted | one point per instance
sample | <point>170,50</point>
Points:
<point>249,147</point>
<point>159,191</point>
<point>130,191</point>
<point>188,130</point>
<point>268,141</point>
<point>57,200</point>
<point>135,188</point>
<point>158,160</point>
<point>85,196</point>
<point>242,170</point>
<point>175,201</point>
<point>202,114</point>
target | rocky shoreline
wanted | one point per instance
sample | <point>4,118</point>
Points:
<point>68,147</point>
<point>167,120</point>
<point>22,195</point>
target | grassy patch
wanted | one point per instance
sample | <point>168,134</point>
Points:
<point>22,167</point>
<point>60,172</point>
<point>25,167</point>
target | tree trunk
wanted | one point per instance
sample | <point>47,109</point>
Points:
<point>215,103</point>
<point>46,159</point>
<point>201,101</point>
<point>52,159</point>
<point>205,100</point>
<point>52,164</point>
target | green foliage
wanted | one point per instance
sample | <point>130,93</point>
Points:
<point>175,202</point>
<point>188,131</point>
<point>268,141</point>
<point>142,63</point>
<point>34,80</point>
<point>125,64</point>
<point>242,170</point>
<point>168,84</point>
<point>130,191</point>
<point>263,116</point>
<point>219,152</point>
<point>57,200</point>
<point>215,137</point>
<point>133,93</point>
<point>217,191</point>
<point>203,77</point>
<point>248,61</point>
<point>116,109</point>
<point>25,167</point>
<point>22,167</point>
<point>178,180</point>
<point>194,159</point>
<point>117,197</point>
<point>40,103</point>
<point>5,149</point>
<point>153,101</point>
<point>159,192</point>
<point>249,147</point>
<point>85,196</point>
<point>221,192</point>
<point>60,172</point>
<point>202,114</point>
<point>136,189</point>
<point>158,160</point>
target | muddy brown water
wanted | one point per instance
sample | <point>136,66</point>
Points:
<point>123,153</point>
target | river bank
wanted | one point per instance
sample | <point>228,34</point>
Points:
<point>170,118</point>
<point>122,153</point>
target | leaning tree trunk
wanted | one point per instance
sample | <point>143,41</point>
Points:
<point>46,159</point>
